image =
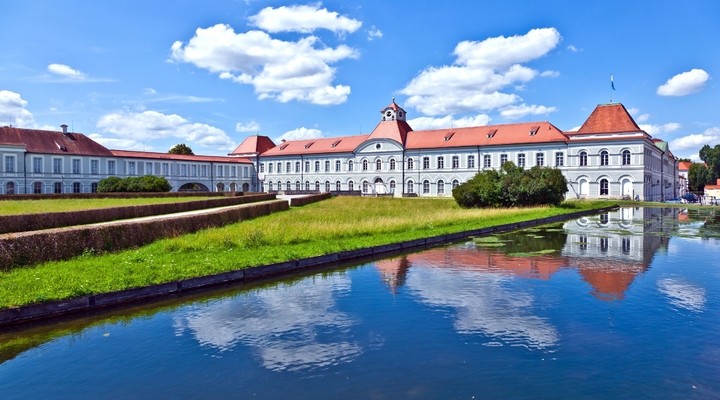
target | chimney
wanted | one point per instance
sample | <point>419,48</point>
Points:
<point>282,141</point>
<point>64,128</point>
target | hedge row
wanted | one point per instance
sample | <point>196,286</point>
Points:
<point>301,201</point>
<point>59,244</point>
<point>114,195</point>
<point>32,222</point>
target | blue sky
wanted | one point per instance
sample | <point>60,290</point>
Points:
<point>148,74</point>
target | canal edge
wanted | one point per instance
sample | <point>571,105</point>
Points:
<point>53,309</point>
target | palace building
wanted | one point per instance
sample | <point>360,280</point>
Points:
<point>608,157</point>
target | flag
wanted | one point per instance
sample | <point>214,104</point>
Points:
<point>612,82</point>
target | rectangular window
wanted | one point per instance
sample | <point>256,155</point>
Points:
<point>57,187</point>
<point>131,167</point>
<point>111,167</point>
<point>183,169</point>
<point>148,168</point>
<point>233,171</point>
<point>37,165</point>
<point>317,166</point>
<point>193,170</point>
<point>297,166</point>
<point>337,167</point>
<point>426,162</point>
<point>270,169</point>
<point>9,163</point>
<point>487,162</point>
<point>279,167</point>
<point>503,159</point>
<point>540,159</point>
<point>220,170</point>
<point>203,170</point>
<point>327,167</point>
<point>521,160</point>
<point>441,162</point>
<point>57,165</point>
<point>94,167</point>
<point>262,168</point>
<point>559,159</point>
<point>75,166</point>
<point>307,166</point>
<point>455,162</point>
<point>166,169</point>
<point>76,187</point>
<point>471,162</point>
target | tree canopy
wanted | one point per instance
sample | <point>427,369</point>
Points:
<point>700,175</point>
<point>512,186</point>
<point>145,183</point>
<point>181,149</point>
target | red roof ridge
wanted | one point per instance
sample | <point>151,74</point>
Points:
<point>609,118</point>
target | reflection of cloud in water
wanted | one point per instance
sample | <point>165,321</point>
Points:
<point>483,305</point>
<point>291,327</point>
<point>682,295</point>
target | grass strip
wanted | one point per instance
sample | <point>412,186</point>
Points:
<point>339,224</point>
<point>18,207</point>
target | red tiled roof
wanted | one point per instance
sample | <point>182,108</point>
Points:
<point>609,118</point>
<point>684,165</point>
<point>346,144</point>
<point>51,142</point>
<point>490,135</point>
<point>394,130</point>
<point>254,145</point>
<point>179,157</point>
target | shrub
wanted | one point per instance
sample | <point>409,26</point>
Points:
<point>512,186</point>
<point>146,183</point>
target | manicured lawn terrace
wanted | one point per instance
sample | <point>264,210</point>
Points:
<point>17,207</point>
<point>329,226</point>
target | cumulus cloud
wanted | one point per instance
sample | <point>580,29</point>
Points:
<point>374,33</point>
<point>682,294</point>
<point>251,126</point>
<point>684,83</point>
<point>65,71</point>
<point>695,141</point>
<point>150,125</point>
<point>13,110</point>
<point>522,110</point>
<point>427,123</point>
<point>660,129</point>
<point>549,74</point>
<point>573,49</point>
<point>481,72</point>
<point>303,19</point>
<point>300,134</point>
<point>280,70</point>
<point>642,118</point>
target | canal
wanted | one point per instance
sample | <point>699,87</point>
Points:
<point>624,304</point>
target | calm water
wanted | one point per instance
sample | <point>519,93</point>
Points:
<point>621,305</point>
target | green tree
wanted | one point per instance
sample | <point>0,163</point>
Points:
<point>146,183</point>
<point>697,177</point>
<point>181,149</point>
<point>711,157</point>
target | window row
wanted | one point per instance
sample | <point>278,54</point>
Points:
<point>366,186</point>
<point>604,156</point>
<point>55,187</point>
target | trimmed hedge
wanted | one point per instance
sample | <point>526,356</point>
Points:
<point>128,195</point>
<point>59,244</point>
<point>301,201</point>
<point>33,222</point>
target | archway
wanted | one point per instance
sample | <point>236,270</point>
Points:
<point>584,187</point>
<point>626,186</point>
<point>193,187</point>
<point>246,187</point>
<point>379,186</point>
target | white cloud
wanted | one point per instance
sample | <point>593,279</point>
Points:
<point>642,118</point>
<point>150,92</point>
<point>685,83</point>
<point>303,19</point>
<point>147,126</point>
<point>66,72</point>
<point>117,143</point>
<point>549,74</point>
<point>573,49</point>
<point>251,126</point>
<point>13,111</point>
<point>683,295</point>
<point>277,69</point>
<point>660,129</point>
<point>427,123</point>
<point>480,73</point>
<point>519,111</point>
<point>695,141</point>
<point>300,134</point>
<point>374,33</point>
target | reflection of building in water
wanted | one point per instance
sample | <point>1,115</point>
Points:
<point>608,250</point>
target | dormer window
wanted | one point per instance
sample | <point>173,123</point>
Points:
<point>491,133</point>
<point>335,143</point>
<point>284,146</point>
<point>449,135</point>
<point>307,146</point>
<point>534,130</point>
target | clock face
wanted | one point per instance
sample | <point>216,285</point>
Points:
<point>389,113</point>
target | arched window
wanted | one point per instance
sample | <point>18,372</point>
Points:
<point>441,187</point>
<point>392,164</point>
<point>351,186</point>
<point>288,186</point>
<point>57,187</point>
<point>37,187</point>
<point>76,187</point>
<point>626,157</point>
<point>455,183</point>
<point>307,185</point>
<point>10,188</point>
<point>297,185</point>
<point>220,187</point>
<point>604,189</point>
<point>604,157</point>
<point>378,164</point>
<point>392,186</point>
<point>410,187</point>
<point>583,158</point>
<point>350,165</point>
<point>327,186</point>
<point>410,163</point>
<point>338,186</point>
<point>365,186</point>
<point>93,187</point>
<point>426,186</point>
<point>270,186</point>
<point>364,165</point>
<point>233,187</point>
<point>317,186</point>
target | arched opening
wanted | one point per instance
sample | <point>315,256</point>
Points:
<point>604,187</point>
<point>193,187</point>
<point>246,187</point>
<point>10,188</point>
<point>221,187</point>
<point>584,187</point>
<point>379,186</point>
<point>626,187</point>
<point>233,187</point>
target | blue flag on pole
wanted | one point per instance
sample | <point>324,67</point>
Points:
<point>612,82</point>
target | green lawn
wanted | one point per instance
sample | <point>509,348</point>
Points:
<point>339,224</point>
<point>16,207</point>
